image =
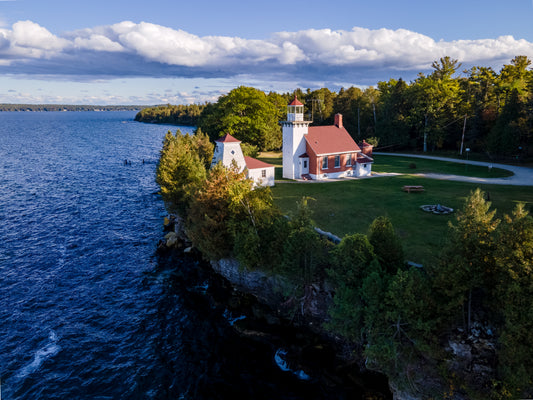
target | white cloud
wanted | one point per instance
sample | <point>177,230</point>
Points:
<point>97,42</point>
<point>145,49</point>
<point>29,35</point>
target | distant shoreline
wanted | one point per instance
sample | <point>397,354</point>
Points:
<point>67,107</point>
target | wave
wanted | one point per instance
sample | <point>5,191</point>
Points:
<point>40,356</point>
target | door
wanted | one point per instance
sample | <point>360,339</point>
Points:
<point>304,166</point>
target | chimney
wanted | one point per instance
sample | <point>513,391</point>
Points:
<point>366,148</point>
<point>338,120</point>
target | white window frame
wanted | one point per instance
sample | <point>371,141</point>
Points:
<point>337,161</point>
<point>325,162</point>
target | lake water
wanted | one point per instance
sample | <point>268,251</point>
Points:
<point>86,308</point>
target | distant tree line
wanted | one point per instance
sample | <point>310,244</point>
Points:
<point>399,315</point>
<point>486,111</point>
<point>186,115</point>
<point>65,107</point>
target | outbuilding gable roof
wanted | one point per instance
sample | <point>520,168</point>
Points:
<point>330,140</point>
<point>227,138</point>
<point>253,163</point>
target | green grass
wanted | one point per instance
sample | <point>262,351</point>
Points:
<point>474,156</point>
<point>350,206</point>
<point>401,165</point>
<point>274,158</point>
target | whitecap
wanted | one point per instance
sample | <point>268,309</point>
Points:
<point>230,318</point>
<point>281,363</point>
<point>279,358</point>
<point>40,356</point>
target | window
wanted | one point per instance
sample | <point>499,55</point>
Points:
<point>263,173</point>
<point>337,161</point>
<point>348,160</point>
<point>324,163</point>
<point>305,163</point>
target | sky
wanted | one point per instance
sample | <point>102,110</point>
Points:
<point>183,52</point>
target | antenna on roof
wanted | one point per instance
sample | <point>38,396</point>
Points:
<point>313,108</point>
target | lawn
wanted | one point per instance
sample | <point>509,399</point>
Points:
<point>274,158</point>
<point>349,206</point>
<point>404,165</point>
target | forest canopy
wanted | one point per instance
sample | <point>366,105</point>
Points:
<point>448,109</point>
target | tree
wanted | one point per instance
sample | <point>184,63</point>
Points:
<point>387,246</point>
<point>353,260</point>
<point>305,252</point>
<point>437,99</point>
<point>513,297</point>
<point>515,76</point>
<point>512,129</point>
<point>468,263</point>
<point>349,103</point>
<point>320,102</point>
<point>394,124</point>
<point>445,68</point>
<point>171,114</point>
<point>181,168</point>
<point>481,102</point>
<point>204,147</point>
<point>253,219</point>
<point>247,114</point>
<point>411,307</point>
<point>209,215</point>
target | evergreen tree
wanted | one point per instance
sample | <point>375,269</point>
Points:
<point>304,250</point>
<point>353,260</point>
<point>513,298</point>
<point>387,245</point>
<point>180,169</point>
<point>468,264</point>
<point>394,125</point>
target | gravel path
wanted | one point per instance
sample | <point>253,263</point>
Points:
<point>523,176</point>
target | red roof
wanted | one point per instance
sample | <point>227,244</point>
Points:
<point>364,159</point>
<point>295,102</point>
<point>330,140</point>
<point>227,138</point>
<point>252,163</point>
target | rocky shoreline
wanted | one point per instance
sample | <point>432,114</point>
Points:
<point>256,309</point>
<point>469,357</point>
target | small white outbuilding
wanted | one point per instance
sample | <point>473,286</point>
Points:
<point>228,149</point>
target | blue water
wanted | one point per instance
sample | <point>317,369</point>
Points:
<point>79,300</point>
<point>87,309</point>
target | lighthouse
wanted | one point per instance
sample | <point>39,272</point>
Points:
<point>295,160</point>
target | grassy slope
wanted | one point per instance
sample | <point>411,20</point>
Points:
<point>350,206</point>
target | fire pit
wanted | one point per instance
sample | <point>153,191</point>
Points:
<point>437,209</point>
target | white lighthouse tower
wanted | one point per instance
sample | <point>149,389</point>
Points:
<point>294,130</point>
